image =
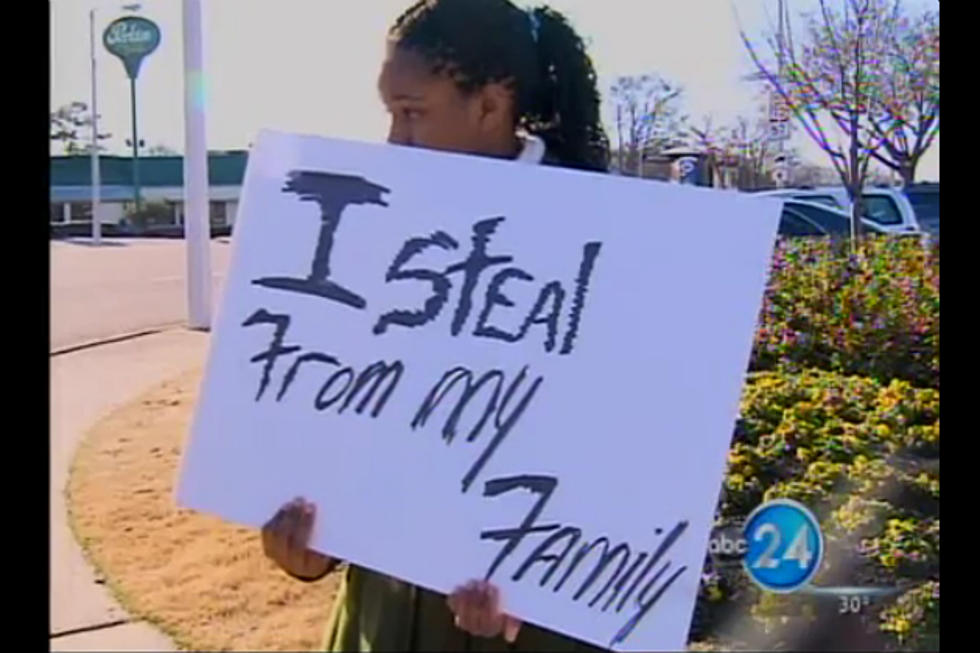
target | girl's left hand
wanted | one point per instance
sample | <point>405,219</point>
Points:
<point>477,608</point>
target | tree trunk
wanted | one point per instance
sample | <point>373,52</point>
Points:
<point>907,171</point>
<point>857,210</point>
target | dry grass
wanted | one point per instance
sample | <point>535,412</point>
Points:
<point>204,582</point>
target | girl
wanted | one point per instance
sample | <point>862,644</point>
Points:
<point>486,78</point>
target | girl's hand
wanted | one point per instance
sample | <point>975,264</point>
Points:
<point>477,608</point>
<point>286,539</point>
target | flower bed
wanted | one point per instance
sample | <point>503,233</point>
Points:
<point>875,314</point>
<point>840,412</point>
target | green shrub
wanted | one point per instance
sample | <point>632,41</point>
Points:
<point>151,214</point>
<point>875,314</point>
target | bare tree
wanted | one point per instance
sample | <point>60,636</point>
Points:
<point>648,116</point>
<point>812,174</point>
<point>750,140</point>
<point>834,74</point>
<point>71,125</point>
<point>744,147</point>
<point>905,110</point>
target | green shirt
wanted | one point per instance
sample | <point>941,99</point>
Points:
<point>374,612</point>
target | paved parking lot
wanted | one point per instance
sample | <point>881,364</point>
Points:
<point>125,285</point>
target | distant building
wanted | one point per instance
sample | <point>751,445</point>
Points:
<point>161,180</point>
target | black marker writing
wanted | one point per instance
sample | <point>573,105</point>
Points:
<point>541,485</point>
<point>556,294</point>
<point>440,283</point>
<point>589,254</point>
<point>495,297</point>
<point>616,563</point>
<point>503,421</point>
<point>473,266</point>
<point>276,348</point>
<point>287,380</point>
<point>364,385</point>
<point>333,193</point>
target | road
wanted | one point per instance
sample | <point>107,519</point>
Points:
<point>123,286</point>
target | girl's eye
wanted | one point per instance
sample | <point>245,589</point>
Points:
<point>411,114</point>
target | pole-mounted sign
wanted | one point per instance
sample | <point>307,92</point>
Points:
<point>132,38</point>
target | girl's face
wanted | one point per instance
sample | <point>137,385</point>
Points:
<point>429,110</point>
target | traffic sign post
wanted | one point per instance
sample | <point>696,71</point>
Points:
<point>778,132</point>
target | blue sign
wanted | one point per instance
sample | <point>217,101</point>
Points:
<point>689,170</point>
<point>785,546</point>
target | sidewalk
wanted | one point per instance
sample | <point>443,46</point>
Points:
<point>85,386</point>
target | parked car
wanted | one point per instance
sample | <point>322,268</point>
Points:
<point>805,218</point>
<point>886,210</point>
<point>925,200</point>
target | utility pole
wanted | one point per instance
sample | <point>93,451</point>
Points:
<point>94,160</point>
<point>197,227</point>
<point>780,39</point>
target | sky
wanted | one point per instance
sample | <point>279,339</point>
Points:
<point>310,66</point>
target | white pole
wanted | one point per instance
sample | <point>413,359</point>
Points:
<point>780,181</point>
<point>197,228</point>
<point>96,176</point>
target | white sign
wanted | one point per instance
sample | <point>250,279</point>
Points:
<point>478,368</point>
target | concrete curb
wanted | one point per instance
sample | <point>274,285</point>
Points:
<point>87,614</point>
<point>117,338</point>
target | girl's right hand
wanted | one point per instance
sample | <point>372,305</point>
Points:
<point>286,539</point>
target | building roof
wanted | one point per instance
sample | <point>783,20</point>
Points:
<point>224,169</point>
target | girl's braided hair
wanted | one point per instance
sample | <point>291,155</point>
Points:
<point>536,52</point>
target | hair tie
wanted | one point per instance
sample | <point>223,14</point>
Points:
<point>535,23</point>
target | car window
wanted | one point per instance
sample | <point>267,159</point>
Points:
<point>826,200</point>
<point>881,209</point>
<point>831,222</point>
<point>792,223</point>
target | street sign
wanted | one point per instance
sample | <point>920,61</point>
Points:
<point>131,38</point>
<point>778,108</point>
<point>778,131</point>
